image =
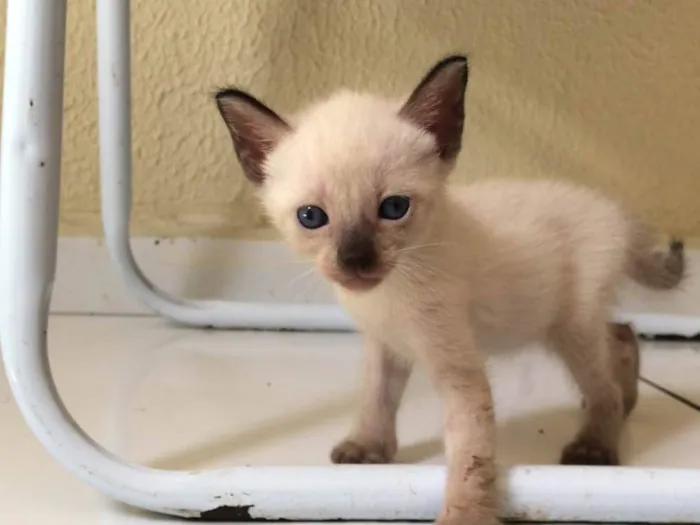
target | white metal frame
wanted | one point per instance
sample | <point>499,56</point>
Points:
<point>114,77</point>
<point>30,170</point>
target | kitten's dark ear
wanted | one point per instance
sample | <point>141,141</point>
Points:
<point>255,130</point>
<point>437,104</point>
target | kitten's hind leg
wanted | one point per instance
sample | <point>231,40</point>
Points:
<point>625,362</point>
<point>373,438</point>
<point>624,354</point>
<point>586,350</point>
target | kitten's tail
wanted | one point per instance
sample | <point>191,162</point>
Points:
<point>654,268</point>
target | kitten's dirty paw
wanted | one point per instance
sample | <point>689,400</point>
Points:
<point>586,451</point>
<point>356,451</point>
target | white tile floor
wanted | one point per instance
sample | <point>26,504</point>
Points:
<point>186,399</point>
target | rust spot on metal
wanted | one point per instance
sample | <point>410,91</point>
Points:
<point>517,517</point>
<point>227,513</point>
<point>241,513</point>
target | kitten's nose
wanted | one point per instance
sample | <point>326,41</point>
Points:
<point>357,252</point>
<point>362,261</point>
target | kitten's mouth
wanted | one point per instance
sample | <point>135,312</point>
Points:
<point>358,282</point>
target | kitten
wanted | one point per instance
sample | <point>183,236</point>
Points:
<point>441,275</point>
<point>625,362</point>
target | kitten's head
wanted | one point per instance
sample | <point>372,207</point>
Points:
<point>353,181</point>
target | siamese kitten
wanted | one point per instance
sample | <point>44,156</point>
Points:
<point>441,275</point>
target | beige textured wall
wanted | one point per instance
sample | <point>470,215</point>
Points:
<point>602,91</point>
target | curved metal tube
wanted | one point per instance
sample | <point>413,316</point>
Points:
<point>114,78</point>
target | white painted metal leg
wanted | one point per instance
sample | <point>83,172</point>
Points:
<point>114,75</point>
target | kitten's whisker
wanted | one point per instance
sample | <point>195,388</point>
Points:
<point>314,296</point>
<point>218,262</point>
<point>308,284</point>
<point>302,276</point>
<point>415,265</point>
<point>429,245</point>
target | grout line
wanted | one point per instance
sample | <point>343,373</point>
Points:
<point>673,395</point>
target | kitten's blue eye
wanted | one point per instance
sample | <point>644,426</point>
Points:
<point>394,207</point>
<point>312,217</point>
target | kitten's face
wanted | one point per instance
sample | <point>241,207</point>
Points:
<point>355,181</point>
<point>351,187</point>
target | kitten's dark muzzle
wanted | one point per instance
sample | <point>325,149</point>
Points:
<point>358,261</point>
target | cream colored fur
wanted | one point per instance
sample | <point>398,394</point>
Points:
<point>469,270</point>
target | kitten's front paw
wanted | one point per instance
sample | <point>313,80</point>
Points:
<point>586,451</point>
<point>354,451</point>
